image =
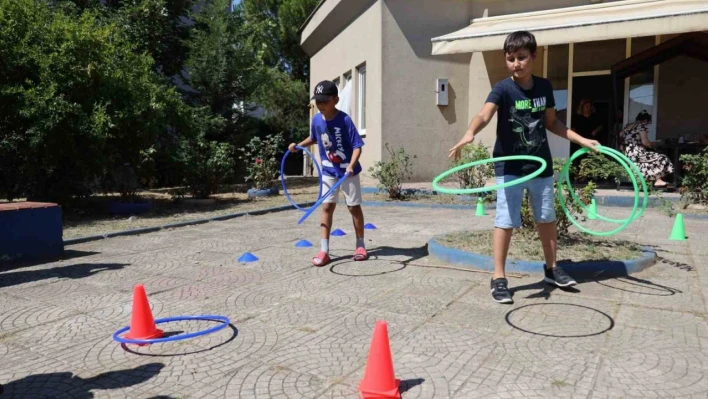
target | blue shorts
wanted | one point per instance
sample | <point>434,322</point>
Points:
<point>541,197</point>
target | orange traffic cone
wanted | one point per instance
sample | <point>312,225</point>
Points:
<point>142,324</point>
<point>379,381</point>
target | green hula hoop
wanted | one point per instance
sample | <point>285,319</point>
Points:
<point>629,167</point>
<point>624,161</point>
<point>494,187</point>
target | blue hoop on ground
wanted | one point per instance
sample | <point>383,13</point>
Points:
<point>496,186</point>
<point>282,177</point>
<point>321,200</point>
<point>224,323</point>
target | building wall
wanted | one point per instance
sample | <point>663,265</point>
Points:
<point>411,118</point>
<point>358,44</point>
<point>683,82</point>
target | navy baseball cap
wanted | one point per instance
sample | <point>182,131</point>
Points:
<point>325,90</point>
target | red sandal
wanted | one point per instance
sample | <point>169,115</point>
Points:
<point>321,259</point>
<point>361,254</point>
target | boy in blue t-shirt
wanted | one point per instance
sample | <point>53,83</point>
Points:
<point>340,148</point>
<point>526,109</point>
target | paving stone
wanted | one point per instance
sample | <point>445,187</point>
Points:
<point>303,332</point>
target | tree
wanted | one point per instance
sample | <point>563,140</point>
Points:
<point>158,28</point>
<point>75,101</point>
<point>222,68</point>
<point>275,25</point>
<point>273,29</point>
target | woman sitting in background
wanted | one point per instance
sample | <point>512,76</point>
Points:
<point>636,144</point>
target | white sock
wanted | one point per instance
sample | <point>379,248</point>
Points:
<point>324,245</point>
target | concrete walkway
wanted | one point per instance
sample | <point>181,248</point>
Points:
<point>304,332</point>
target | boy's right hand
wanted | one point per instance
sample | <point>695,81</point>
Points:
<point>292,148</point>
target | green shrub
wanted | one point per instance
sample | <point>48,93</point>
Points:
<point>694,184</point>
<point>598,167</point>
<point>261,160</point>
<point>392,173</point>
<point>477,176</point>
<point>205,162</point>
<point>563,223</point>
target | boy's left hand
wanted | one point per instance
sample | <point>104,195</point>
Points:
<point>587,143</point>
<point>350,170</point>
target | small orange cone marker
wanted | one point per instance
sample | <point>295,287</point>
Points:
<point>379,381</point>
<point>142,324</point>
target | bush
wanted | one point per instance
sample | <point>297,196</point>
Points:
<point>597,167</point>
<point>262,162</point>
<point>206,162</point>
<point>563,223</point>
<point>392,173</point>
<point>477,176</point>
<point>694,183</point>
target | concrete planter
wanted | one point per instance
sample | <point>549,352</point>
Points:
<point>591,269</point>
<point>254,192</point>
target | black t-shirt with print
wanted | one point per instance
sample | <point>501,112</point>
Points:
<point>521,125</point>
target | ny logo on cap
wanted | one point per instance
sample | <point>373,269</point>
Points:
<point>319,90</point>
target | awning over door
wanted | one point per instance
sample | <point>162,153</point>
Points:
<point>615,20</point>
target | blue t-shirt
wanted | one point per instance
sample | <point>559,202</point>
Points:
<point>336,140</point>
<point>521,125</point>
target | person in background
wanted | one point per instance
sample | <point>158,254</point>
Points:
<point>636,145</point>
<point>587,123</point>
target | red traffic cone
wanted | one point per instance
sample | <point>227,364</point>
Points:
<point>142,324</point>
<point>379,380</point>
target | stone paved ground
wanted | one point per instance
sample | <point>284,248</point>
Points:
<point>304,332</point>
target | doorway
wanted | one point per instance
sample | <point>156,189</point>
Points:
<point>598,90</point>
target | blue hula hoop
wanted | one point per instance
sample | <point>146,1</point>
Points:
<point>321,200</point>
<point>282,177</point>
<point>224,322</point>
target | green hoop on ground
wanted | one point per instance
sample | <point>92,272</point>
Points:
<point>624,161</point>
<point>489,188</point>
<point>629,167</point>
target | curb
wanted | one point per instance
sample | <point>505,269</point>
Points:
<point>383,204</point>
<point>582,269</point>
<point>606,200</point>
<point>81,240</point>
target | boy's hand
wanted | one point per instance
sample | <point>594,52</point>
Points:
<point>591,144</point>
<point>350,170</point>
<point>455,153</point>
<point>292,148</point>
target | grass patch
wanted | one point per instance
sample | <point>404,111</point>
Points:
<point>575,247</point>
<point>90,216</point>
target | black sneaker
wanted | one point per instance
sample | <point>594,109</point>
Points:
<point>500,292</point>
<point>559,277</point>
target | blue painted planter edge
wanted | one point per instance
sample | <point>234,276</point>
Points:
<point>589,269</point>
<point>81,240</point>
<point>606,200</point>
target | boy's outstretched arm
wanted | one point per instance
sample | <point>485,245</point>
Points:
<point>560,129</point>
<point>479,122</point>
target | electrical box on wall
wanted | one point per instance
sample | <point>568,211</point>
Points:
<point>441,90</point>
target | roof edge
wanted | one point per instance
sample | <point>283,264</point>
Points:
<point>309,18</point>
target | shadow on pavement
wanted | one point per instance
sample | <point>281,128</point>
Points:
<point>66,384</point>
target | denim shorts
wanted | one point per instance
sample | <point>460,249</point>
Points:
<point>541,198</point>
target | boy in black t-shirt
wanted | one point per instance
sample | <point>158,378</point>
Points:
<point>526,109</point>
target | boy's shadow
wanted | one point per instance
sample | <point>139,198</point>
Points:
<point>634,285</point>
<point>382,253</point>
<point>545,289</point>
<point>67,384</point>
